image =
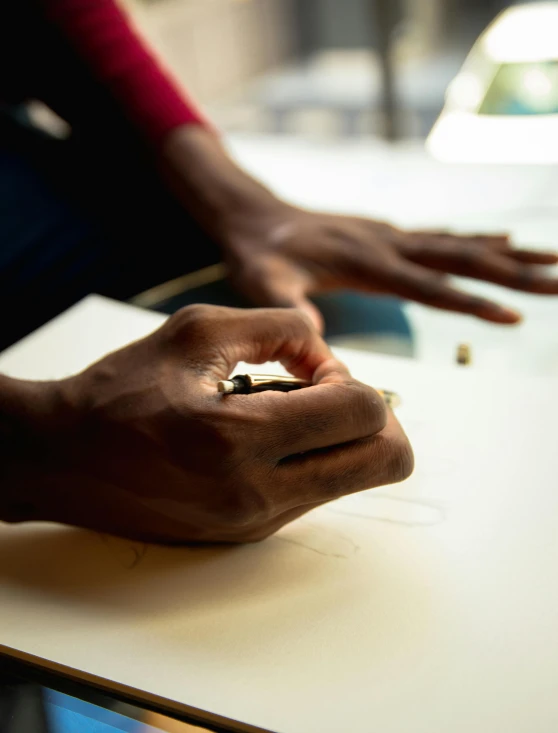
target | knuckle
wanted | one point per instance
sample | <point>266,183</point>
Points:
<point>386,460</point>
<point>298,321</point>
<point>196,320</point>
<point>216,444</point>
<point>305,321</point>
<point>198,311</point>
<point>429,289</point>
<point>524,277</point>
<point>400,460</point>
<point>246,505</point>
<point>231,512</point>
<point>222,438</point>
<point>366,407</point>
<point>472,256</point>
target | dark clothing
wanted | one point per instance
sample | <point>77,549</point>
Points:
<point>76,218</point>
<point>86,214</point>
<point>84,60</point>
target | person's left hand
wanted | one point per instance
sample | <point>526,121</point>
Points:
<point>282,257</point>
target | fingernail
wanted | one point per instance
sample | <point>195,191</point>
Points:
<point>509,314</point>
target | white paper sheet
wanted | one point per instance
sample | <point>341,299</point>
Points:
<point>428,607</point>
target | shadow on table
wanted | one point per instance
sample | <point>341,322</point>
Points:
<point>94,570</point>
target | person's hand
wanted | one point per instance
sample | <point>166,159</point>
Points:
<point>145,447</point>
<point>279,255</point>
<point>282,258</point>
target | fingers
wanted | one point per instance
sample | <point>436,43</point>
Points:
<point>513,273</point>
<point>378,460</point>
<point>274,282</point>
<point>325,415</point>
<point>211,340</point>
<point>418,283</point>
<point>533,257</point>
<point>501,243</point>
<point>497,242</point>
<point>486,258</point>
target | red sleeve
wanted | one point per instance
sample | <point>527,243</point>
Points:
<point>101,34</point>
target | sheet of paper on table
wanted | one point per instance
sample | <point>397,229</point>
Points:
<point>429,607</point>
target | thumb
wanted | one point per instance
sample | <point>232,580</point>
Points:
<point>311,310</point>
<point>280,287</point>
<point>291,295</point>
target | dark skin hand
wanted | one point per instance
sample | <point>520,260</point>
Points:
<point>314,253</point>
<point>279,255</point>
<point>142,445</point>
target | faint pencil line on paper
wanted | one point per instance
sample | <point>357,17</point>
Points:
<point>322,541</point>
<point>381,507</point>
<point>127,554</point>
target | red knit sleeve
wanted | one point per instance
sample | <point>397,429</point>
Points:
<point>102,35</point>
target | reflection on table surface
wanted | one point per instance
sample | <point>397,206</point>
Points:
<point>37,709</point>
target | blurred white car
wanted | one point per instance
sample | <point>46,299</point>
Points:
<point>502,107</point>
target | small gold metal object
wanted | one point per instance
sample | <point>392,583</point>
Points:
<point>464,355</point>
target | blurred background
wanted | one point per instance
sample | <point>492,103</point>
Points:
<point>334,68</point>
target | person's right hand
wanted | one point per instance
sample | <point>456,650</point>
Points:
<point>147,448</point>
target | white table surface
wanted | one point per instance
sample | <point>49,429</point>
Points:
<point>426,607</point>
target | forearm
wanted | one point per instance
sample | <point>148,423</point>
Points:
<point>213,187</point>
<point>29,412</point>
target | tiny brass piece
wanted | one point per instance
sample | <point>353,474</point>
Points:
<point>392,399</point>
<point>464,354</point>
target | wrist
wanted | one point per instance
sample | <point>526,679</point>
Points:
<point>215,190</point>
<point>32,416</point>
